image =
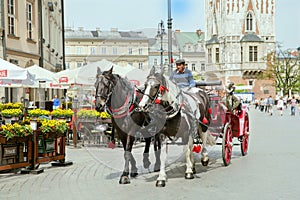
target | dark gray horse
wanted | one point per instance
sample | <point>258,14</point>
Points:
<point>120,99</point>
<point>187,117</point>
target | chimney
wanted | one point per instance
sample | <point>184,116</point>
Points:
<point>114,30</point>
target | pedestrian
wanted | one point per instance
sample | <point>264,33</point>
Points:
<point>182,76</point>
<point>293,103</point>
<point>271,104</point>
<point>266,104</point>
<point>56,103</point>
<point>280,105</point>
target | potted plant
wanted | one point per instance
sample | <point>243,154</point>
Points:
<point>11,114</point>
<point>10,131</point>
<point>16,105</point>
<point>88,114</point>
<point>35,113</point>
<point>59,113</point>
<point>53,128</point>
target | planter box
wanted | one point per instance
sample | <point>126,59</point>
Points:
<point>45,145</point>
<point>3,140</point>
<point>11,153</point>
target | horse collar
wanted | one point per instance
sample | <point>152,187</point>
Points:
<point>125,109</point>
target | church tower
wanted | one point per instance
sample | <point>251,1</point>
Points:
<point>239,35</point>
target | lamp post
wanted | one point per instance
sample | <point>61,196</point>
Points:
<point>169,39</point>
<point>160,34</point>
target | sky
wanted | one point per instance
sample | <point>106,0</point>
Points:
<point>188,15</point>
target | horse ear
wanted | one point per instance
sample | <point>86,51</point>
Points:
<point>98,71</point>
<point>152,71</point>
<point>111,70</point>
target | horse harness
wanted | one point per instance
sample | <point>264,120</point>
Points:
<point>129,104</point>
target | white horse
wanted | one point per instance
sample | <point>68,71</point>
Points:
<point>184,119</point>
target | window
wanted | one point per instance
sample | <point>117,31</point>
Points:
<point>242,55</point>
<point>79,50</point>
<point>209,55</point>
<point>140,51</point>
<point>202,67</point>
<point>140,65</point>
<point>249,22</point>
<point>67,50</point>
<point>130,51</point>
<point>251,82</point>
<point>11,17</point>
<point>79,64</point>
<point>193,67</point>
<point>103,51</point>
<point>252,53</point>
<point>67,64</point>
<point>92,51</point>
<point>29,19</point>
<point>217,55</point>
<point>115,51</point>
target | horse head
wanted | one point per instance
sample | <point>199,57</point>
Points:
<point>155,86</point>
<point>104,84</point>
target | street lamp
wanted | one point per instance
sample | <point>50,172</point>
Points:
<point>160,34</point>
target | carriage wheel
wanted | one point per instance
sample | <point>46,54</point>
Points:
<point>227,144</point>
<point>245,140</point>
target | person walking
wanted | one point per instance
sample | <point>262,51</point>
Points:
<point>280,105</point>
<point>271,104</point>
<point>293,106</point>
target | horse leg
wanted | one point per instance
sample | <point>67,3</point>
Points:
<point>189,173</point>
<point>157,151</point>
<point>162,176</point>
<point>127,144</point>
<point>204,153</point>
<point>146,161</point>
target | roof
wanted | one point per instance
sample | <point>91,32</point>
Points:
<point>250,37</point>
<point>99,34</point>
<point>184,38</point>
<point>213,40</point>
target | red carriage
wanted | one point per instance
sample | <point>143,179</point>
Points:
<point>227,124</point>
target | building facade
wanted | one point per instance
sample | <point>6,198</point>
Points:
<point>32,33</point>
<point>191,47</point>
<point>239,35</point>
<point>120,47</point>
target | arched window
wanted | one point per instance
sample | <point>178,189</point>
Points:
<point>249,22</point>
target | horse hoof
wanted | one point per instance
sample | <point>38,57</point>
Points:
<point>204,163</point>
<point>124,180</point>
<point>194,170</point>
<point>133,174</point>
<point>160,183</point>
<point>189,176</point>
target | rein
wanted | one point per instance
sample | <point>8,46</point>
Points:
<point>126,108</point>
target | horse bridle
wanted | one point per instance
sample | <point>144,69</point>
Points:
<point>109,88</point>
<point>158,92</point>
<point>126,108</point>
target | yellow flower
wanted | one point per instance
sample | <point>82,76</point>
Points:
<point>11,112</point>
<point>12,130</point>
<point>38,112</point>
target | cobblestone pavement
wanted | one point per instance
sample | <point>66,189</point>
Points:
<point>95,171</point>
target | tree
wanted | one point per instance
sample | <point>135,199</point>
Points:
<point>284,67</point>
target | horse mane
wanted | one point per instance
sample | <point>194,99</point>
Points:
<point>172,95</point>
